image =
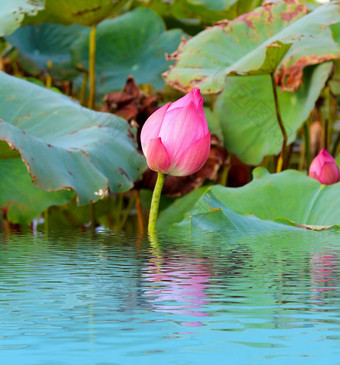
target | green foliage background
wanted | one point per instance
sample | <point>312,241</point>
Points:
<point>268,73</point>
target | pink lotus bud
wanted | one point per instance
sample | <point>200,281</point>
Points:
<point>175,138</point>
<point>324,168</point>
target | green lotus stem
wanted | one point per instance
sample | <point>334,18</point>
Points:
<point>46,220</point>
<point>156,253</point>
<point>325,133</point>
<point>139,213</point>
<point>5,219</point>
<point>336,144</point>
<point>118,209</point>
<point>7,227</point>
<point>279,120</point>
<point>302,156</point>
<point>92,217</point>
<point>126,212</point>
<point>156,196</point>
<point>224,176</point>
<point>15,67</point>
<point>82,94</point>
<point>92,66</point>
<point>307,144</point>
<point>48,76</point>
<point>328,119</point>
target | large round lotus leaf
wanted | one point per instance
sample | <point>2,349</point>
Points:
<point>177,210</point>
<point>192,14</point>
<point>277,37</point>
<point>65,145</point>
<point>334,83</point>
<point>37,45</point>
<point>247,114</point>
<point>211,215</point>
<point>85,12</point>
<point>132,44</point>
<point>288,198</point>
<point>214,123</point>
<point>216,5</point>
<point>210,11</point>
<point>24,200</point>
<point>13,12</point>
<point>288,195</point>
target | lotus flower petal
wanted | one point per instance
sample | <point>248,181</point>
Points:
<point>193,159</point>
<point>324,168</point>
<point>178,134</point>
<point>153,125</point>
<point>157,156</point>
<point>175,139</point>
<point>194,96</point>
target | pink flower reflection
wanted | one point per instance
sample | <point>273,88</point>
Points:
<point>323,272</point>
<point>180,288</point>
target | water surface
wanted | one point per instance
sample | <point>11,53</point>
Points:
<point>99,299</point>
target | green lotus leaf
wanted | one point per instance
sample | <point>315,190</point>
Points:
<point>23,200</point>
<point>210,11</point>
<point>177,210</point>
<point>211,215</point>
<point>13,13</point>
<point>289,198</point>
<point>85,12</point>
<point>64,145</point>
<point>334,83</point>
<point>132,44</point>
<point>289,195</point>
<point>6,152</point>
<point>278,38</point>
<point>2,45</point>
<point>194,13</point>
<point>39,45</point>
<point>247,113</point>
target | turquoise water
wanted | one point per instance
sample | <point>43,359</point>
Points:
<point>106,299</point>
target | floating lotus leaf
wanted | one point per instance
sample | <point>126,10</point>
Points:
<point>288,195</point>
<point>211,215</point>
<point>64,145</point>
<point>132,44</point>
<point>269,201</point>
<point>179,208</point>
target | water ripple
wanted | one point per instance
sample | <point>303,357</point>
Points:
<point>111,299</point>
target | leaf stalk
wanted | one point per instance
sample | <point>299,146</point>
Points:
<point>92,66</point>
<point>155,203</point>
<point>283,130</point>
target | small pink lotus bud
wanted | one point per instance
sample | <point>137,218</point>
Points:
<point>324,168</point>
<point>175,138</point>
